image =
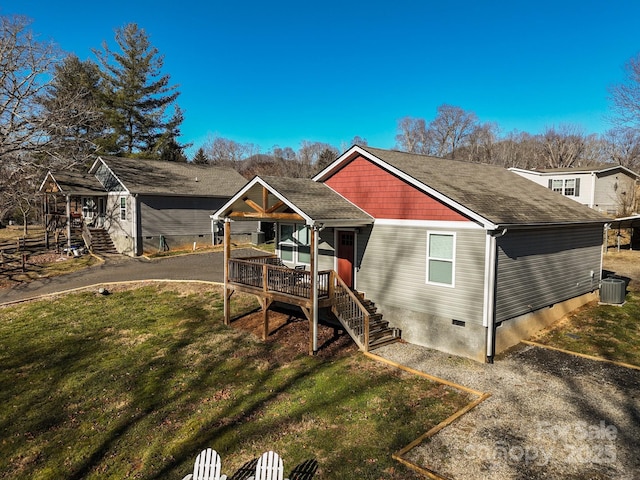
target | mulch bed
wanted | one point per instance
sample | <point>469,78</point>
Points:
<point>291,334</point>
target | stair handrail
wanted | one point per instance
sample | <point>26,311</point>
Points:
<point>86,235</point>
<point>355,301</point>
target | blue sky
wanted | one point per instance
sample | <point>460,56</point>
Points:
<point>276,73</point>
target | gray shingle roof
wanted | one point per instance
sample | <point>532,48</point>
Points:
<point>600,168</point>
<point>316,200</point>
<point>156,177</point>
<point>76,183</point>
<point>492,192</point>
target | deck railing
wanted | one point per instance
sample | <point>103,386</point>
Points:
<point>352,314</point>
<point>265,273</point>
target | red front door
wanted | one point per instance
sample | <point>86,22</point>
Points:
<point>346,242</point>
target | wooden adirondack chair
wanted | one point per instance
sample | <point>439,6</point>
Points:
<point>269,467</point>
<point>207,467</point>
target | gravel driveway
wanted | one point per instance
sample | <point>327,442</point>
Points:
<point>550,415</point>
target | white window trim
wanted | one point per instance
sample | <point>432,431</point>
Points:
<point>295,244</point>
<point>562,190</point>
<point>453,260</point>
<point>122,209</point>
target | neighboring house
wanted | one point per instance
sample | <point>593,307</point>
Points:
<point>609,189</point>
<point>450,252</point>
<point>145,205</point>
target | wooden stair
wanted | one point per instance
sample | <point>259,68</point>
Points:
<point>380,333</point>
<point>101,241</point>
<point>354,312</point>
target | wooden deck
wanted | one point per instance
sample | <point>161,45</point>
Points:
<point>265,277</point>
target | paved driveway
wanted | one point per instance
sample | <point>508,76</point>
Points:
<point>119,268</point>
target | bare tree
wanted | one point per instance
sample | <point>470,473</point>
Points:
<point>451,129</point>
<point>412,135</point>
<point>622,146</point>
<point>625,96</point>
<point>357,140</point>
<point>25,68</point>
<point>286,153</point>
<point>310,152</point>
<point>26,65</point>
<point>223,151</point>
<point>481,145</point>
<point>563,147</point>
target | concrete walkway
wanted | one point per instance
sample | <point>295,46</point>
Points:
<point>119,268</point>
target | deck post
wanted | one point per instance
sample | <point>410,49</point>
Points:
<point>313,347</point>
<point>227,256</point>
<point>265,302</point>
<point>68,198</point>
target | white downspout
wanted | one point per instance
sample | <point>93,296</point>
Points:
<point>592,200</point>
<point>490,305</point>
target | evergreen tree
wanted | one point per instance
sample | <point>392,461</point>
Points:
<point>172,152</point>
<point>137,98</point>
<point>200,158</point>
<point>72,102</point>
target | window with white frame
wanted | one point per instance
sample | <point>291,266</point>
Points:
<point>569,187</point>
<point>557,186</point>
<point>441,248</point>
<point>123,208</point>
<point>294,242</point>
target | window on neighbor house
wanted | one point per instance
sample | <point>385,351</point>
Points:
<point>295,244</point>
<point>569,187</point>
<point>123,208</point>
<point>441,258</point>
<point>88,206</point>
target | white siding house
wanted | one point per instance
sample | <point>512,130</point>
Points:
<point>611,190</point>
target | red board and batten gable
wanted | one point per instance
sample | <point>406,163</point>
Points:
<point>383,195</point>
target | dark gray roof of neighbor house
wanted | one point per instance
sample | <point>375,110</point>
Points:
<point>492,192</point>
<point>77,183</point>
<point>600,168</point>
<point>155,177</point>
<point>316,200</point>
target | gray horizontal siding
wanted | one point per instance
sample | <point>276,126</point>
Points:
<point>326,249</point>
<point>609,187</point>
<point>539,268</point>
<point>177,215</point>
<point>393,272</point>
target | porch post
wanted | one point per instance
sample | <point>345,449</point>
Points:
<point>45,216</point>
<point>227,255</point>
<point>314,290</point>
<point>68,198</point>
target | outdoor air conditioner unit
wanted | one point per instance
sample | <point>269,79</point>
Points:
<point>613,291</point>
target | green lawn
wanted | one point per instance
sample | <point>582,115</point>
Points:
<point>134,384</point>
<point>606,331</point>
